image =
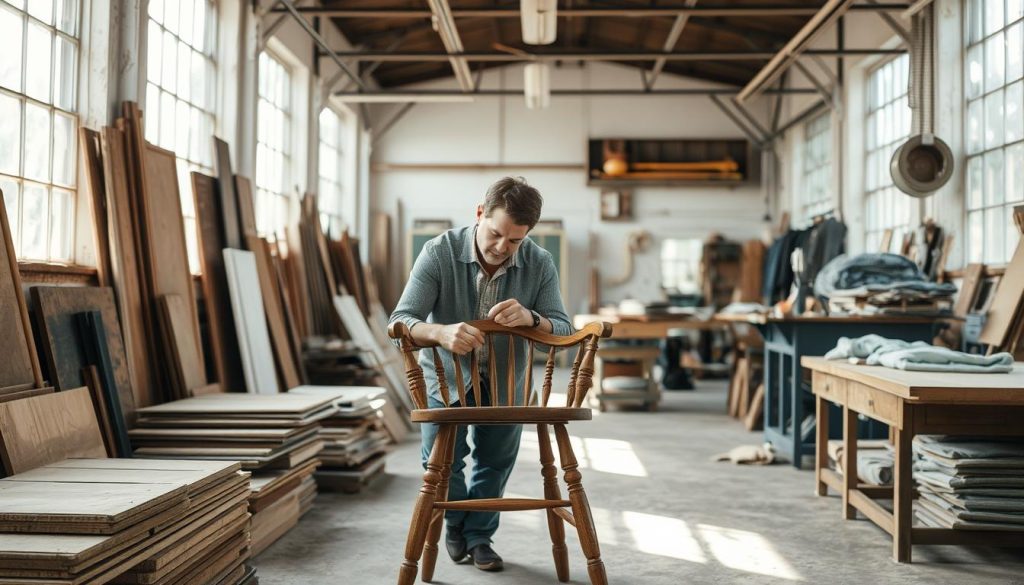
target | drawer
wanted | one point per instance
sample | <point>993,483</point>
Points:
<point>829,387</point>
<point>873,403</point>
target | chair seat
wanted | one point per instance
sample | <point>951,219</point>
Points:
<point>498,415</point>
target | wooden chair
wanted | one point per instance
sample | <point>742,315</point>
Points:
<point>425,528</point>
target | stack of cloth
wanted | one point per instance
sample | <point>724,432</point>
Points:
<point>868,284</point>
<point>875,460</point>
<point>969,484</point>
<point>356,441</point>
<point>876,350</point>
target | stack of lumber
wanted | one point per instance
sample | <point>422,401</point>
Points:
<point>336,362</point>
<point>969,484</point>
<point>276,437</point>
<point>355,438</point>
<point>125,521</point>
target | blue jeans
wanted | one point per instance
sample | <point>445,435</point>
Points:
<point>495,448</point>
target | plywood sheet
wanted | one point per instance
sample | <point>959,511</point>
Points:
<point>184,344</point>
<point>284,405</point>
<point>167,260</point>
<point>1007,303</point>
<point>63,347</point>
<point>285,359</point>
<point>246,205</point>
<point>250,322</point>
<point>92,161</point>
<point>228,197</point>
<point>19,365</point>
<point>83,502</point>
<point>44,429</point>
<point>210,232</point>
<point>124,268</point>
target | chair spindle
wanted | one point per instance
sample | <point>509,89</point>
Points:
<point>571,390</point>
<point>442,383</point>
<point>413,373</point>
<point>586,376</point>
<point>528,388</point>
<point>492,370</point>
<point>475,376</point>
<point>549,370</point>
<point>459,382</point>
<point>510,388</point>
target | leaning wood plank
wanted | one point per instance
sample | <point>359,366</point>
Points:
<point>1007,303</point>
<point>27,393</point>
<point>168,259</point>
<point>99,403</point>
<point>250,322</point>
<point>19,365</point>
<point>44,429</point>
<point>124,267</point>
<point>94,340</point>
<point>275,319</point>
<point>246,206</point>
<point>209,229</point>
<point>228,197</point>
<point>284,405</point>
<point>89,141</point>
<point>63,344</point>
<point>281,289</point>
<point>186,346</point>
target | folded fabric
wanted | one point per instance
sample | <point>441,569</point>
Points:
<point>965,450</point>
<point>863,273</point>
<point>956,518</point>
<point>982,503</point>
<point>874,460</point>
<point>939,479</point>
<point>917,356</point>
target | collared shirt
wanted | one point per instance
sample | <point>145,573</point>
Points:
<point>445,287</point>
<point>487,292</point>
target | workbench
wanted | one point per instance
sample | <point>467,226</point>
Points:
<point>786,341</point>
<point>911,403</point>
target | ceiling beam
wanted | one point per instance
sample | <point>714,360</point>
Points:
<point>670,45</point>
<point>762,10</point>
<point>597,55</point>
<point>376,95</point>
<point>445,24</point>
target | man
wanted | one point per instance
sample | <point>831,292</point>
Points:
<point>489,270</point>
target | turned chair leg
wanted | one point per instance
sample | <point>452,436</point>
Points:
<point>551,492</point>
<point>434,534</point>
<point>581,508</point>
<point>424,509</point>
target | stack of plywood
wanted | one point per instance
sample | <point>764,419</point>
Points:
<point>274,436</point>
<point>125,521</point>
<point>355,438</point>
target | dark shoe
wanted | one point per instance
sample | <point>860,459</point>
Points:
<point>485,558</point>
<point>455,542</point>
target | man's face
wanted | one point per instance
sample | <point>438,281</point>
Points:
<point>497,236</point>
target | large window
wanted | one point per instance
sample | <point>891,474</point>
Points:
<point>995,127</point>
<point>816,189</point>
<point>180,94</point>
<point>888,125</point>
<point>332,165</point>
<point>273,145</point>
<point>38,124</point>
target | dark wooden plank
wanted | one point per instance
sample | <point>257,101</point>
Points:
<point>209,228</point>
<point>246,205</point>
<point>99,404</point>
<point>95,336</point>
<point>228,196</point>
<point>63,345</point>
<point>92,161</point>
<point>184,345</point>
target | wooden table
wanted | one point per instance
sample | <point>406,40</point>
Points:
<point>649,328</point>
<point>786,341</point>
<point>911,403</point>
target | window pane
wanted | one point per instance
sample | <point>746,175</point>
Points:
<point>994,178</point>
<point>1014,173</point>
<point>154,53</point>
<point>975,112</point>
<point>61,209</point>
<point>37,72</point>
<point>975,183</point>
<point>185,30</point>
<point>993,16</point>
<point>184,71</point>
<point>1014,10</point>
<point>975,231</point>
<point>975,20</point>
<point>12,194</point>
<point>994,132</point>
<point>10,56</point>
<point>152,113</point>
<point>10,135</point>
<point>169,72</point>
<point>1014,120</point>
<point>995,52</point>
<point>994,226</point>
<point>975,71</point>
<point>67,16</point>
<point>171,11</point>
<point>41,9</point>
<point>63,150</point>
<point>37,144</point>
<point>35,204</point>
<point>167,109</point>
<point>65,74</point>
<point>1014,52</point>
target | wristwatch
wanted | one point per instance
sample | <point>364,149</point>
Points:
<point>536,318</point>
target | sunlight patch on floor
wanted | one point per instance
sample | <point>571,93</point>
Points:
<point>746,551</point>
<point>663,536</point>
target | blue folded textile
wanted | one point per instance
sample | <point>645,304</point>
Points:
<point>917,356</point>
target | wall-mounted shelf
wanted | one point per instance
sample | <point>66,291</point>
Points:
<point>672,163</point>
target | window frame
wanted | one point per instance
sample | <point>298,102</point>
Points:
<point>814,137</point>
<point>288,151</point>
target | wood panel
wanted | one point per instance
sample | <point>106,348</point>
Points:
<point>246,205</point>
<point>185,345</point>
<point>250,322</point>
<point>89,141</point>
<point>1007,303</point>
<point>19,365</point>
<point>124,269</point>
<point>228,198</point>
<point>41,430</point>
<point>275,317</point>
<point>167,264</point>
<point>97,352</point>
<point>63,347</point>
<point>209,229</point>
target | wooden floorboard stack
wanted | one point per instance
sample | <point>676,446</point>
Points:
<point>131,521</point>
<point>356,442</point>
<point>276,437</point>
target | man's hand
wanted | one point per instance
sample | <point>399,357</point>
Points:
<point>460,338</point>
<point>511,314</point>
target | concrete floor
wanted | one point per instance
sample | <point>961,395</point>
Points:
<point>665,514</point>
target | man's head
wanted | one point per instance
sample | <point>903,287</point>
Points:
<point>509,211</point>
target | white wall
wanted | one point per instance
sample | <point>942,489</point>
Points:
<point>500,131</point>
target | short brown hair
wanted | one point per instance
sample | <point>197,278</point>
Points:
<point>519,200</point>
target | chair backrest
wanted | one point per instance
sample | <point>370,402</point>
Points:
<point>580,378</point>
